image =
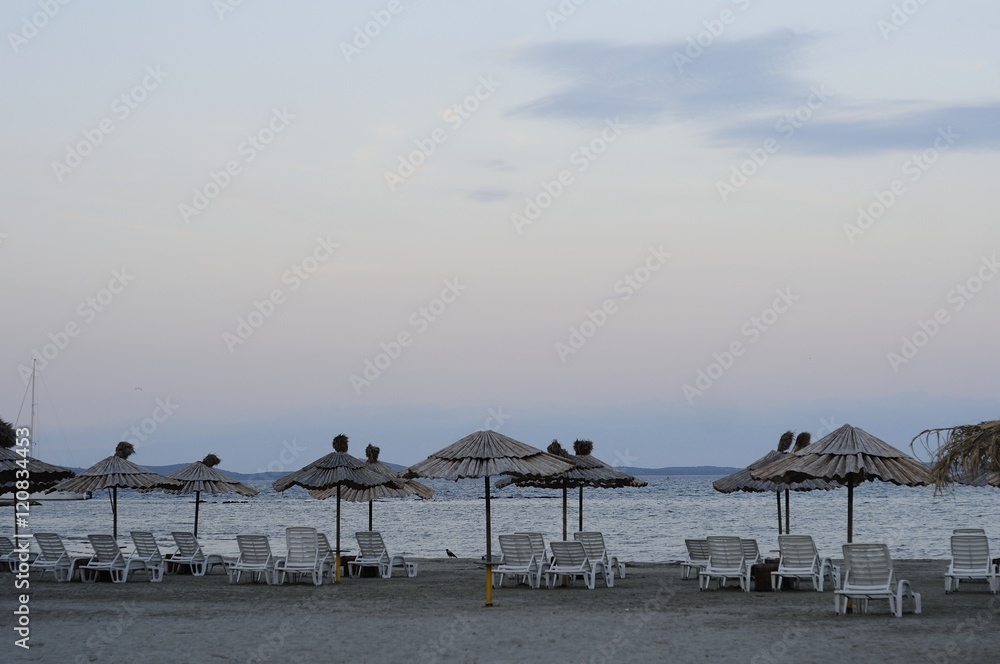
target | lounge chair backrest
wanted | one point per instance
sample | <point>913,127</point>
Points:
<point>254,549</point>
<point>187,544</point>
<point>303,545</point>
<point>371,544</point>
<point>968,531</point>
<point>51,546</point>
<point>146,546</point>
<point>868,565</point>
<point>6,546</point>
<point>593,544</point>
<point>725,552</point>
<point>537,545</point>
<point>106,549</point>
<point>516,549</point>
<point>751,552</point>
<point>970,552</point>
<point>797,551</point>
<point>569,554</point>
<point>697,549</point>
<point>324,545</point>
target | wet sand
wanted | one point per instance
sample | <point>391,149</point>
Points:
<point>439,616</point>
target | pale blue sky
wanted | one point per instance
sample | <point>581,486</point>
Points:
<point>628,139</point>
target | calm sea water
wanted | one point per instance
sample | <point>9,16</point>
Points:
<point>648,524</point>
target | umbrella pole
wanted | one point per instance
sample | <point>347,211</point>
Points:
<point>565,531</point>
<point>788,515</point>
<point>370,502</point>
<point>336,562</point>
<point>114,510</point>
<point>197,499</point>
<point>850,510</point>
<point>777,494</point>
<point>581,509</point>
<point>489,549</point>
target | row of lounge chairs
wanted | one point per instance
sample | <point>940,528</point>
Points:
<point>526,559</point>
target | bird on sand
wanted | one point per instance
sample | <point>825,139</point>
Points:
<point>450,553</point>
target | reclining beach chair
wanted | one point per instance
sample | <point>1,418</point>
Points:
<point>255,559</point>
<point>970,560</point>
<point>538,547</point>
<point>54,558</point>
<point>108,557</point>
<point>518,560</point>
<point>593,544</point>
<point>800,560</point>
<point>374,554</point>
<point>725,561</point>
<point>327,556</point>
<point>751,552</point>
<point>302,556</point>
<point>148,551</point>
<point>868,575</point>
<point>569,560</point>
<point>189,553</point>
<point>8,554</point>
<point>697,557</point>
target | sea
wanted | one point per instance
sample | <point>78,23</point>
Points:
<point>645,525</point>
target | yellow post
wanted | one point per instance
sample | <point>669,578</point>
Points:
<point>489,585</point>
<point>336,569</point>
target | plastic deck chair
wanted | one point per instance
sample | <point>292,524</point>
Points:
<point>868,575</point>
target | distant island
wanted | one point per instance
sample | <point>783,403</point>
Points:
<point>272,475</point>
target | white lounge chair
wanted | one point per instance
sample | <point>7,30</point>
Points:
<point>327,556</point>
<point>725,561</point>
<point>108,557</point>
<point>9,554</point>
<point>54,558</point>
<point>519,560</point>
<point>868,574</point>
<point>189,553</point>
<point>968,531</point>
<point>970,560</point>
<point>373,553</point>
<point>148,551</point>
<point>800,560</point>
<point>591,541</point>
<point>538,547</point>
<point>302,556</point>
<point>255,559</point>
<point>593,544</point>
<point>697,557</point>
<point>569,560</point>
<point>751,552</point>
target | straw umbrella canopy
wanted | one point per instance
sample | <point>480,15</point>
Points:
<point>113,472</point>
<point>371,494</point>
<point>587,471</point>
<point>337,471</point>
<point>483,454</point>
<point>202,476</point>
<point>15,468</point>
<point>743,480</point>
<point>848,456</point>
<point>968,453</point>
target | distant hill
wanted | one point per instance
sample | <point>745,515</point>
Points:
<point>271,475</point>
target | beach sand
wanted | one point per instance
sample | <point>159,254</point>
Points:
<point>650,616</point>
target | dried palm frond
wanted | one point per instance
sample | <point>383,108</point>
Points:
<point>970,450</point>
<point>802,440</point>
<point>785,441</point>
<point>211,460</point>
<point>124,450</point>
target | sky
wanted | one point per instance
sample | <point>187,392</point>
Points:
<point>674,229</point>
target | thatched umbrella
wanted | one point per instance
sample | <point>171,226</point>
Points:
<point>15,468</point>
<point>848,456</point>
<point>113,472</point>
<point>202,476</point>
<point>336,471</point>
<point>743,480</point>
<point>371,494</point>
<point>482,454</point>
<point>968,453</point>
<point>587,471</point>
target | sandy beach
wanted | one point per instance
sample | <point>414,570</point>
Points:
<point>650,616</point>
